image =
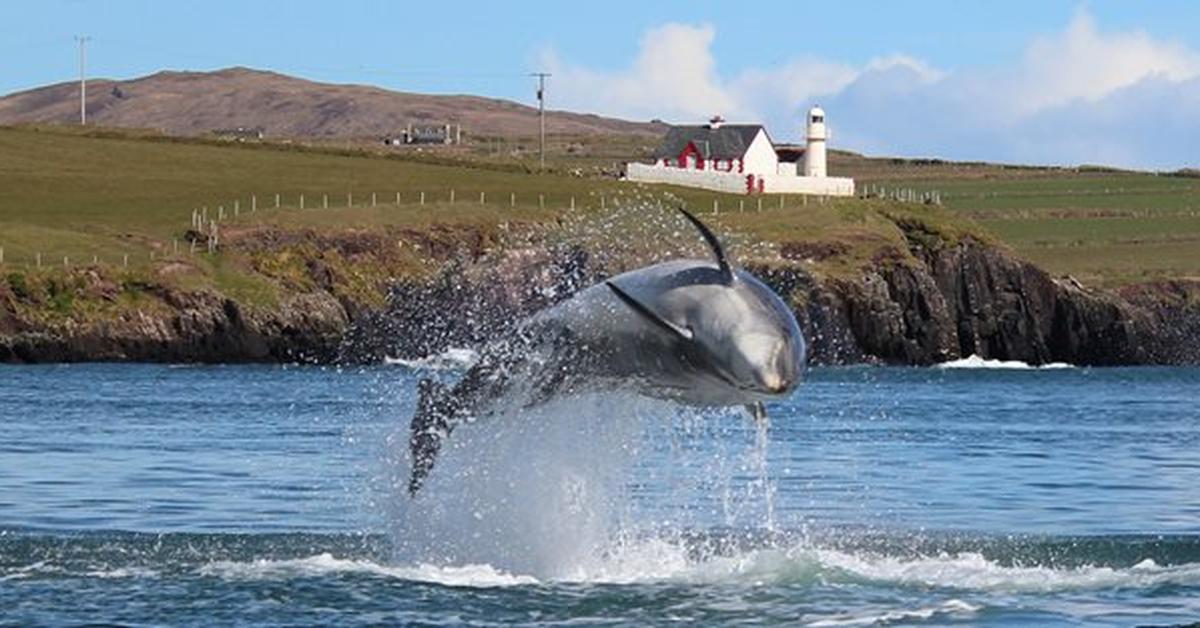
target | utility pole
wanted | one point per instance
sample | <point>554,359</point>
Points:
<point>83,40</point>
<point>541,96</point>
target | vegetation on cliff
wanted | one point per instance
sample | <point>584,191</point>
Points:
<point>104,256</point>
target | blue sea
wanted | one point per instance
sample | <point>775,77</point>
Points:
<point>271,495</point>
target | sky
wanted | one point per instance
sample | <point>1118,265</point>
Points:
<point>1043,82</point>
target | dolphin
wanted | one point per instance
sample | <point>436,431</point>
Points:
<point>697,332</point>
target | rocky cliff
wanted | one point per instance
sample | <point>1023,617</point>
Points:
<point>938,300</point>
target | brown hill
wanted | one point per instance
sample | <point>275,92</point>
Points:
<point>195,103</point>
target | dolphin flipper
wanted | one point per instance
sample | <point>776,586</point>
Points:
<point>431,424</point>
<point>649,314</point>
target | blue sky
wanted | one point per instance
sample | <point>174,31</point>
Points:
<point>1042,82</point>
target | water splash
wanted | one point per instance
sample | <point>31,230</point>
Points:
<point>556,491</point>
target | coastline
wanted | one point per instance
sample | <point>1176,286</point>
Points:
<point>941,300</point>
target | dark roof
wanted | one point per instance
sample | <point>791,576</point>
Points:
<point>789,152</point>
<point>728,141</point>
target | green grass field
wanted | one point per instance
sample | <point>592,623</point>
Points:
<point>1104,227</point>
<point>63,193</point>
<point>109,196</point>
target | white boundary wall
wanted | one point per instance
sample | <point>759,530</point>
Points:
<point>735,183</point>
<point>714,180</point>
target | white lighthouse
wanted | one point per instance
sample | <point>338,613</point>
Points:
<point>814,152</point>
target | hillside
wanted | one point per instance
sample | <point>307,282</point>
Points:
<point>365,255</point>
<point>1099,225</point>
<point>196,103</point>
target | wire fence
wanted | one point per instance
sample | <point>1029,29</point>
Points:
<point>206,225</point>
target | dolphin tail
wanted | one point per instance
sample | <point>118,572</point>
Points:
<point>431,424</point>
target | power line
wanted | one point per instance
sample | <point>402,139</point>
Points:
<point>541,96</point>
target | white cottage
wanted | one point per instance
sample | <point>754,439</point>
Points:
<point>741,158</point>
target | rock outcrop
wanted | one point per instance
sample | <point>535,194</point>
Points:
<point>937,301</point>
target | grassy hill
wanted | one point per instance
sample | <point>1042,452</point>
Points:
<point>117,198</point>
<point>196,103</point>
<point>1100,225</point>
<point>125,202</point>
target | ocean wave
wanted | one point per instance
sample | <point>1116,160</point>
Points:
<point>659,561</point>
<point>973,572</point>
<point>951,609</point>
<point>664,561</point>
<point>976,362</point>
<point>966,571</point>
<point>326,564</point>
<point>452,358</point>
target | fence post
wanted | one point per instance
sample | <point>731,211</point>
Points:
<point>512,199</point>
<point>716,207</point>
<point>572,202</point>
<point>397,199</point>
<point>301,201</point>
<point>741,205</point>
<point>422,198</point>
<point>481,197</point>
<point>253,203</point>
<point>451,195</point>
<point>349,199</point>
<point>541,201</point>
<point>220,212</point>
<point>237,210</point>
<point>760,203</point>
<point>175,245</point>
<point>125,261</point>
<point>65,263</point>
<point>372,199</point>
<point>325,201</point>
<point>1,255</point>
<point>276,201</point>
<point>39,260</point>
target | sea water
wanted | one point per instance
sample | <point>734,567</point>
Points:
<point>979,495</point>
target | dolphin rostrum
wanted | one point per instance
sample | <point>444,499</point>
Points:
<point>684,330</point>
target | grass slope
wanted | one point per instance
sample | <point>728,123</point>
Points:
<point>105,195</point>
<point>1102,226</point>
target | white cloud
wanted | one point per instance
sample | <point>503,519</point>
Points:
<point>1082,63</point>
<point>1079,95</point>
<point>673,76</point>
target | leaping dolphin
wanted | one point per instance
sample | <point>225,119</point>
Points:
<point>696,332</point>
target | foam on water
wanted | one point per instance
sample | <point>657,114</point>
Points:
<point>657,560</point>
<point>452,358</point>
<point>326,564</point>
<point>976,362</point>
<point>541,495</point>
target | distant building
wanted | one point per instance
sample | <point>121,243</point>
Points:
<point>439,134</point>
<point>741,158</point>
<point>241,133</point>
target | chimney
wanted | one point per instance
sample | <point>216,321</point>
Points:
<point>715,122</point>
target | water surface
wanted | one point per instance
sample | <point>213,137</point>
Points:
<point>143,494</point>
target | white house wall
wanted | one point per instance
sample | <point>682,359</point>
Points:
<point>734,183</point>
<point>760,157</point>
<point>716,181</point>
<point>820,186</point>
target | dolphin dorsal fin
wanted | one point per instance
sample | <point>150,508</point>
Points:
<point>649,314</point>
<point>714,244</point>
